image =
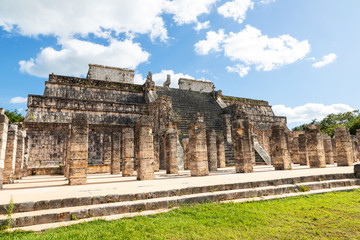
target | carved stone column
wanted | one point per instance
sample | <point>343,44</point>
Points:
<point>128,152</point>
<point>303,155</point>
<point>212,150</point>
<point>20,152</point>
<point>344,153</point>
<point>243,147</point>
<point>171,161</point>
<point>10,154</point>
<point>221,160</point>
<point>280,155</point>
<point>329,155</point>
<point>3,140</point>
<point>227,128</point>
<point>185,143</point>
<point>115,153</point>
<point>315,146</point>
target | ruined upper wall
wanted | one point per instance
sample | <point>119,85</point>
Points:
<point>110,74</point>
<point>195,85</point>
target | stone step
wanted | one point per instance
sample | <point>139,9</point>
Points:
<point>105,209</point>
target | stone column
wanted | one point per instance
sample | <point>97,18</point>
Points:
<point>354,147</point>
<point>303,155</point>
<point>211,150</point>
<point>294,147</point>
<point>358,137</point>
<point>171,161</point>
<point>227,128</point>
<point>26,158</point>
<point>315,146</point>
<point>115,152</point>
<point>280,155</point>
<point>344,154</point>
<point>329,155</point>
<point>107,149</point>
<point>221,160</point>
<point>10,154</point>
<point>3,140</point>
<point>185,143</point>
<point>197,147</point>
<point>78,150</point>
<point>128,152</point>
<point>243,146</point>
<point>156,153</point>
<point>20,152</point>
<point>333,144</point>
<point>67,154</point>
<point>144,148</point>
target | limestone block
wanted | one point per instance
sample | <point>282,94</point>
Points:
<point>303,155</point>
<point>212,150</point>
<point>293,140</point>
<point>20,152</point>
<point>128,152</point>
<point>3,140</point>
<point>329,155</point>
<point>220,149</point>
<point>344,151</point>
<point>185,143</point>
<point>107,148</point>
<point>315,146</point>
<point>243,148</point>
<point>144,148</point>
<point>116,152</point>
<point>280,154</point>
<point>171,161</point>
<point>197,148</point>
<point>10,154</point>
<point>357,170</point>
<point>333,144</point>
<point>227,128</point>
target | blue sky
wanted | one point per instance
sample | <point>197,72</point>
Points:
<point>301,55</point>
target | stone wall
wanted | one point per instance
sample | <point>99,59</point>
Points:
<point>303,155</point>
<point>111,74</point>
<point>195,85</point>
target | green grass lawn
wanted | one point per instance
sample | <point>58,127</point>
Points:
<point>325,216</point>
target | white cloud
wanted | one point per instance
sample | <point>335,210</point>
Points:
<point>16,100</point>
<point>160,77</point>
<point>212,42</point>
<point>327,59</point>
<point>266,1</point>
<point>309,111</point>
<point>236,9</point>
<point>199,26</point>
<point>187,11</point>
<point>239,69</point>
<point>65,18</point>
<point>75,55</point>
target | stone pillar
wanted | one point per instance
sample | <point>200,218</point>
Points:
<point>67,154</point>
<point>329,155</point>
<point>344,153</point>
<point>333,144</point>
<point>20,152</point>
<point>211,150</point>
<point>315,146</point>
<point>185,143</point>
<point>221,161</point>
<point>303,155</point>
<point>107,149</point>
<point>115,152</point>
<point>171,161</point>
<point>197,147</point>
<point>3,140</point>
<point>10,154</point>
<point>354,147</point>
<point>243,146</point>
<point>156,153</point>
<point>78,150</point>
<point>128,152</point>
<point>144,148</point>
<point>358,137</point>
<point>280,155</point>
<point>26,157</point>
<point>294,147</point>
<point>227,128</point>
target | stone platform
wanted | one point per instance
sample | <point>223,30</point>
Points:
<point>48,199</point>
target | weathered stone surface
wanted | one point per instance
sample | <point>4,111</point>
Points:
<point>333,144</point>
<point>171,160</point>
<point>128,152</point>
<point>110,74</point>
<point>357,170</point>
<point>20,154</point>
<point>315,146</point>
<point>303,155</point>
<point>10,154</point>
<point>293,142</point>
<point>344,151</point>
<point>144,148</point>
<point>212,150</point>
<point>3,140</point>
<point>78,159</point>
<point>195,85</point>
<point>355,147</point>
<point>220,147</point>
<point>227,128</point>
<point>185,143</point>
<point>26,158</point>
<point>243,148</point>
<point>116,153</point>
<point>329,155</point>
<point>280,155</point>
<point>197,148</point>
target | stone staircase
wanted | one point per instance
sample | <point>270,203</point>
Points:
<point>92,206</point>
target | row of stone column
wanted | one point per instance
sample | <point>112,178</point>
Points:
<point>14,150</point>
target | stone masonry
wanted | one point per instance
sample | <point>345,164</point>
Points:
<point>10,154</point>
<point>221,161</point>
<point>315,146</point>
<point>115,153</point>
<point>197,148</point>
<point>227,128</point>
<point>294,146</point>
<point>128,152</point>
<point>280,155</point>
<point>20,154</point>
<point>212,150</point>
<point>3,139</point>
<point>185,143</point>
<point>303,155</point>
<point>144,148</point>
<point>329,155</point>
<point>243,148</point>
<point>171,161</point>
<point>78,150</point>
<point>344,153</point>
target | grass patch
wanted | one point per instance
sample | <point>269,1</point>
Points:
<point>323,216</point>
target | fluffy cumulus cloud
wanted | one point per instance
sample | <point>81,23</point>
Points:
<point>16,100</point>
<point>309,111</point>
<point>266,1</point>
<point>236,9</point>
<point>199,26</point>
<point>239,69</point>
<point>250,47</point>
<point>327,59</point>
<point>75,55</point>
<point>160,77</point>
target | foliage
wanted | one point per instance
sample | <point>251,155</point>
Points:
<point>303,126</point>
<point>14,116</point>
<point>9,211</point>
<point>322,216</point>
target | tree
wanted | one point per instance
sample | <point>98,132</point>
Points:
<point>14,116</point>
<point>303,126</point>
